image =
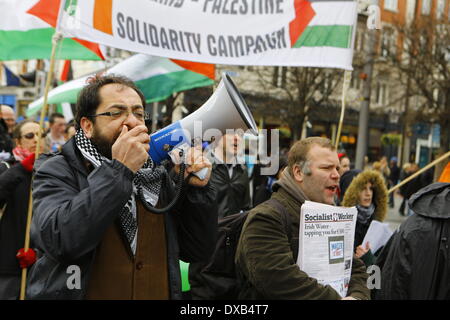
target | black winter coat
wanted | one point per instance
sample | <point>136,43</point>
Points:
<point>6,143</point>
<point>233,194</point>
<point>73,208</point>
<point>415,263</point>
<point>14,191</point>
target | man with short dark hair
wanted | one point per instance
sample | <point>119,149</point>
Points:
<point>55,137</point>
<point>92,207</point>
<point>230,180</point>
<point>229,177</point>
<point>265,258</point>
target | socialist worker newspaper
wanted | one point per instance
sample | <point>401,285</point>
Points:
<point>326,244</point>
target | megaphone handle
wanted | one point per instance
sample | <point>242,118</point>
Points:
<point>202,173</point>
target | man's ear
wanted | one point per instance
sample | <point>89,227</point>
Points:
<point>297,173</point>
<point>87,126</point>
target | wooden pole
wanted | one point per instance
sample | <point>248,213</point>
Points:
<point>55,40</point>
<point>347,78</point>
<point>428,166</point>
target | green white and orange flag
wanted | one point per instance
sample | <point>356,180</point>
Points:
<point>26,30</point>
<point>157,77</point>
<point>317,33</point>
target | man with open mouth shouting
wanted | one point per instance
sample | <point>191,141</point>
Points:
<point>266,255</point>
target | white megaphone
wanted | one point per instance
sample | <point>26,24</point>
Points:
<point>225,109</point>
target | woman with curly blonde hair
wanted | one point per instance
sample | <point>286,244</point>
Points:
<point>368,193</point>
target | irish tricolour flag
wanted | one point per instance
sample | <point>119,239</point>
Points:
<point>157,78</point>
<point>26,30</point>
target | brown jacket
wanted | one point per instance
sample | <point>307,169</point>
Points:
<point>265,261</point>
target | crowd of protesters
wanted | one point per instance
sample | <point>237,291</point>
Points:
<point>88,210</point>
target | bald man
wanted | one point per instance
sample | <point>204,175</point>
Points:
<point>9,116</point>
<point>6,144</point>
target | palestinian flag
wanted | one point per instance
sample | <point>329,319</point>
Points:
<point>26,30</point>
<point>157,77</point>
<point>317,23</point>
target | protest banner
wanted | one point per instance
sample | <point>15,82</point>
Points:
<point>246,32</point>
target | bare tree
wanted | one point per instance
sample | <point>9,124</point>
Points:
<point>300,89</point>
<point>424,63</point>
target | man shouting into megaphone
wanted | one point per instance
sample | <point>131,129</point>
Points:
<point>88,220</point>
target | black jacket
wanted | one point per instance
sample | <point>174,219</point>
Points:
<point>415,263</point>
<point>6,143</point>
<point>395,174</point>
<point>233,194</point>
<point>73,208</point>
<point>14,191</point>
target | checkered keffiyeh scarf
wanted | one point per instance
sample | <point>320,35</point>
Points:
<point>148,178</point>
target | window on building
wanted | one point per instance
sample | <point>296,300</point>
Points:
<point>440,9</point>
<point>353,83</point>
<point>424,44</point>
<point>440,98</point>
<point>382,94</point>
<point>388,43</point>
<point>279,76</point>
<point>426,7</point>
<point>359,40</point>
<point>390,5</point>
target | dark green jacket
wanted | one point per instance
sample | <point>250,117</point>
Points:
<point>266,264</point>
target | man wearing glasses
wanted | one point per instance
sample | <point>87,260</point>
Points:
<point>89,223</point>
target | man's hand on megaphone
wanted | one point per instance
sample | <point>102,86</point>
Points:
<point>195,161</point>
<point>131,147</point>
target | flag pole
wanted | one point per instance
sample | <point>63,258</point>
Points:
<point>57,37</point>
<point>428,166</point>
<point>347,78</point>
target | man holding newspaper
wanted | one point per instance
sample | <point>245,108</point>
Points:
<point>266,256</point>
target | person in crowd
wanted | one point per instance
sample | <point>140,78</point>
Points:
<point>404,173</point>
<point>14,195</point>
<point>70,130</point>
<point>93,205</point>
<point>344,166</point>
<point>264,190</point>
<point>367,164</point>
<point>231,181</point>
<point>368,193</point>
<point>344,163</point>
<point>6,143</point>
<point>393,178</point>
<point>9,116</point>
<point>414,185</point>
<point>56,134</point>
<point>414,263</point>
<point>229,177</point>
<point>345,180</point>
<point>265,261</point>
<point>383,170</point>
